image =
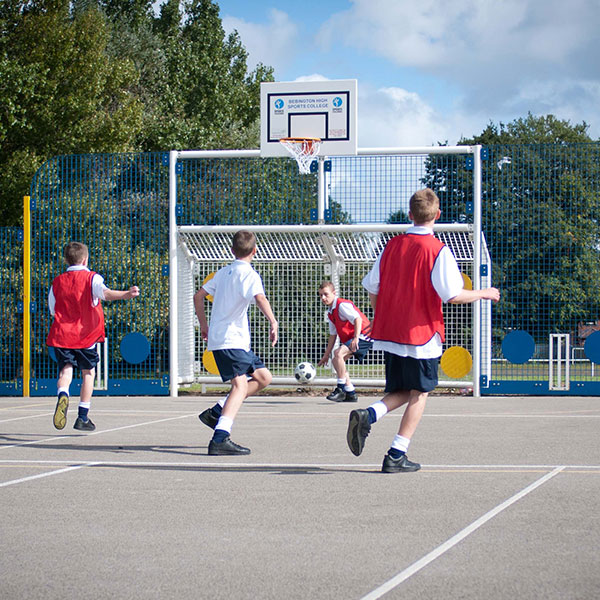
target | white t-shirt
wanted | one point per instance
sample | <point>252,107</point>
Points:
<point>446,280</point>
<point>233,288</point>
<point>98,288</point>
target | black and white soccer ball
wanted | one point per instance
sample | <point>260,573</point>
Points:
<point>305,372</point>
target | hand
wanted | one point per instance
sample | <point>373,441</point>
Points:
<point>204,332</point>
<point>133,291</point>
<point>273,333</point>
<point>323,360</point>
<point>354,345</point>
<point>492,294</point>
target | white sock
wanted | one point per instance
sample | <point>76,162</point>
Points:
<point>349,387</point>
<point>341,383</point>
<point>225,423</point>
<point>85,404</point>
<point>62,389</point>
<point>380,409</point>
<point>221,401</point>
<point>401,443</point>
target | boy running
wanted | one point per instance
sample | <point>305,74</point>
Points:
<point>234,288</point>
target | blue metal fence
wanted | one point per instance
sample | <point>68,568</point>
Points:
<point>117,205</point>
<point>541,220</point>
<point>11,311</point>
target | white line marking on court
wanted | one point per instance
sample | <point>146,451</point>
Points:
<point>62,437</point>
<point>461,535</point>
<point>27,417</point>
<point>48,474</point>
<point>236,465</point>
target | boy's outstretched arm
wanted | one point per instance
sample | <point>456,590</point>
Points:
<point>132,292</point>
<point>468,296</point>
<point>265,308</point>
<point>199,297</point>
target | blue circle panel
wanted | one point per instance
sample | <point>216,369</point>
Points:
<point>135,348</point>
<point>591,347</point>
<point>518,347</point>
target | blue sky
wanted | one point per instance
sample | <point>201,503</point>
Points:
<point>432,71</point>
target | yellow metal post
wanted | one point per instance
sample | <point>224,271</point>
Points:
<point>26,294</point>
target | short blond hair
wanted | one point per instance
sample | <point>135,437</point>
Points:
<point>424,205</point>
<point>75,253</point>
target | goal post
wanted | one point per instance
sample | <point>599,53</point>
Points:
<point>293,260</point>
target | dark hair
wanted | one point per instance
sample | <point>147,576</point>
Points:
<point>75,253</point>
<point>327,284</point>
<point>244,243</point>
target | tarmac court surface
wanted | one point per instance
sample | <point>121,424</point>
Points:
<point>506,505</point>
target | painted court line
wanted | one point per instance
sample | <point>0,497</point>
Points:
<point>461,535</point>
<point>47,474</point>
<point>225,463</point>
<point>62,437</point>
<point>26,417</point>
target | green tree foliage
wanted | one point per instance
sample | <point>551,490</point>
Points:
<point>111,76</point>
<point>540,215</point>
<point>63,92</point>
<point>398,217</point>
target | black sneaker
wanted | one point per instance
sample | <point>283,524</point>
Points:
<point>398,465</point>
<point>358,430</point>
<point>338,395</point>
<point>60,412</point>
<point>226,448</point>
<point>351,397</point>
<point>209,418</point>
<point>84,425</point>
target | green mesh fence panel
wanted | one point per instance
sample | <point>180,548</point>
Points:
<point>11,318</point>
<point>118,206</point>
<point>541,211</point>
<point>219,191</point>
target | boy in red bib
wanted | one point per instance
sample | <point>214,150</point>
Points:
<point>410,279</point>
<point>74,301</point>
<point>352,327</point>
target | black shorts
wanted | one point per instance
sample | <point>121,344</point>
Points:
<point>403,373</point>
<point>232,363</point>
<point>85,359</point>
<point>363,347</point>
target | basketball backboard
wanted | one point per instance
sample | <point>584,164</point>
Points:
<point>318,109</point>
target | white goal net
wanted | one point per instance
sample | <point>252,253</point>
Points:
<point>293,261</point>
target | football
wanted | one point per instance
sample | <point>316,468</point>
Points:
<point>305,372</point>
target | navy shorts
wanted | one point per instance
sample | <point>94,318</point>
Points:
<point>85,359</point>
<point>232,363</point>
<point>403,373</point>
<point>363,347</point>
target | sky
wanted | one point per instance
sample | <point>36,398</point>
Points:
<point>432,71</point>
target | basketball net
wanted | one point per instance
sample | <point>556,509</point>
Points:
<point>304,150</point>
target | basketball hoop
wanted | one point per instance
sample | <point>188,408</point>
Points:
<point>304,150</point>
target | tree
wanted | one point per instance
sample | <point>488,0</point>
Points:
<point>540,217</point>
<point>111,76</point>
<point>62,91</point>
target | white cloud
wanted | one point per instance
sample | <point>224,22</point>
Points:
<point>273,43</point>
<point>492,50</point>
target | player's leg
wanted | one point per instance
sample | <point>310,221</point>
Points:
<point>86,361</point>
<point>83,422</point>
<point>344,385</point>
<point>221,443</point>
<point>421,376</point>
<point>65,377</point>
<point>259,380</point>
